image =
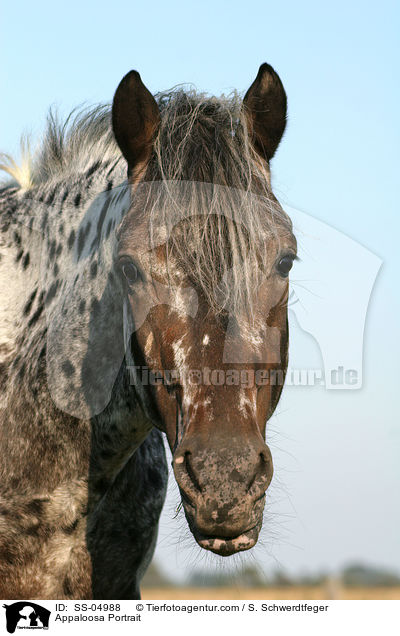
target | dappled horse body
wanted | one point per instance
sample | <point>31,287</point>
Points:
<point>132,307</point>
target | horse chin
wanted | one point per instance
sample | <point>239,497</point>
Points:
<point>226,546</point>
<point>222,545</point>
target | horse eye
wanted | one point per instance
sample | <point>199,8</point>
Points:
<point>285,265</point>
<point>130,272</point>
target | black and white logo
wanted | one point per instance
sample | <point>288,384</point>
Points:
<point>26,615</point>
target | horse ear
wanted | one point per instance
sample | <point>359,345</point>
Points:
<point>265,107</point>
<point>135,119</point>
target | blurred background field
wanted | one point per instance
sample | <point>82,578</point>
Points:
<point>355,582</point>
<point>293,592</point>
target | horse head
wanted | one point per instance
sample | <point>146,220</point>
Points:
<point>203,256</point>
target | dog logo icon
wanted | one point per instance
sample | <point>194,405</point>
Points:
<point>26,615</point>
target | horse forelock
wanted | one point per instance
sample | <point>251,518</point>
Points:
<point>207,195</point>
<point>220,240</point>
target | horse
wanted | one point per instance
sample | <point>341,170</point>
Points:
<point>144,264</point>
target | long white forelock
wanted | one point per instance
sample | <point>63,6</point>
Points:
<point>227,232</point>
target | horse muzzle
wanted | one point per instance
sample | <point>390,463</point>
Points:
<point>223,494</point>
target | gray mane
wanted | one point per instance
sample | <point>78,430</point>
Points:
<point>71,148</point>
<point>201,138</point>
<point>67,151</point>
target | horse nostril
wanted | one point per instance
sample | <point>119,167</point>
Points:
<point>190,472</point>
<point>266,456</point>
<point>261,470</point>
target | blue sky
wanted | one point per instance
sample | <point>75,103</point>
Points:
<point>335,453</point>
